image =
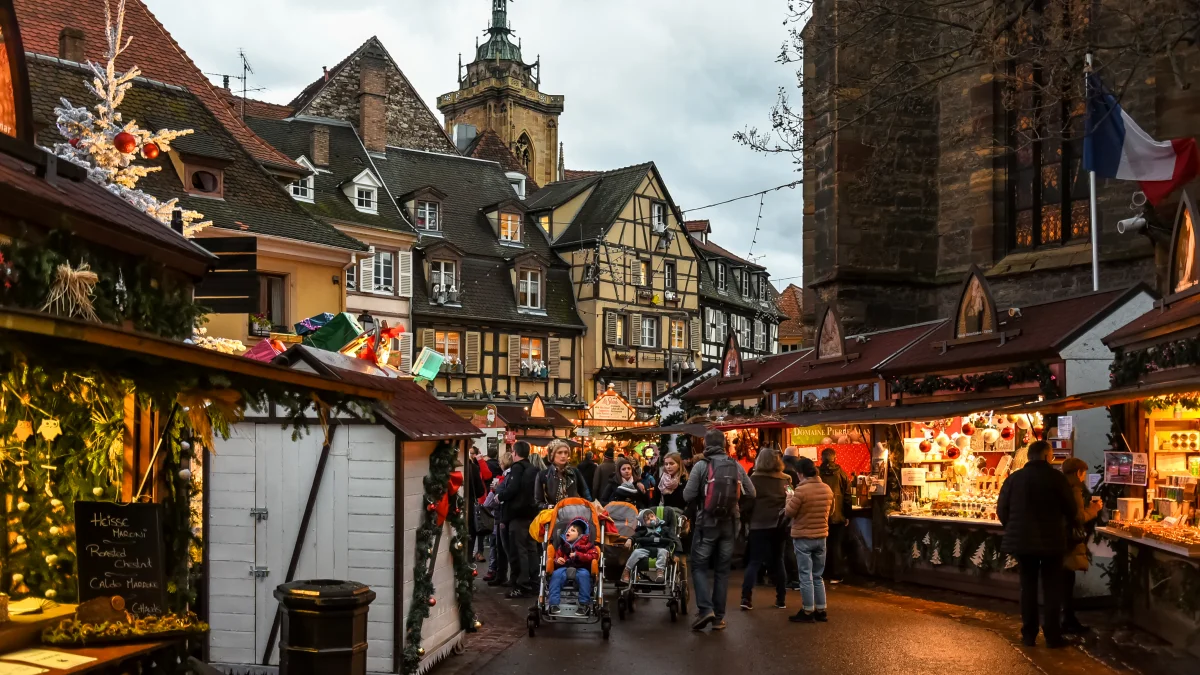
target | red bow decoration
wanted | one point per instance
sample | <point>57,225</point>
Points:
<point>443,506</point>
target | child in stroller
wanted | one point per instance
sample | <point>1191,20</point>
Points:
<point>650,539</point>
<point>577,552</point>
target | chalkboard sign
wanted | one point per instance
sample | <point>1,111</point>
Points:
<point>493,446</point>
<point>120,552</point>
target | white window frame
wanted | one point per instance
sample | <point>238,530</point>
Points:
<point>678,334</point>
<point>527,358</point>
<point>745,284</point>
<point>760,336</point>
<point>669,275</point>
<point>529,292</point>
<point>384,282</point>
<point>658,216</point>
<point>517,231</point>
<point>352,277</point>
<point>619,332</point>
<point>437,276</point>
<point>424,210</point>
<point>649,336</point>
<point>366,199</point>
<point>517,180</point>
<point>643,400</point>
<point>762,287</point>
<point>721,276</point>
<point>302,190</point>
<point>444,349</point>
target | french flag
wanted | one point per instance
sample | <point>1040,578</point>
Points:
<point>1116,147</point>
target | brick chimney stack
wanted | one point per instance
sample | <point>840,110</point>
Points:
<point>320,145</point>
<point>72,45</point>
<point>372,94</point>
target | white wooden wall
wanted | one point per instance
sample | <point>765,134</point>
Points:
<point>351,535</point>
<point>442,626</point>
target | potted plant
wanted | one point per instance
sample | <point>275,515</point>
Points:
<point>260,325</point>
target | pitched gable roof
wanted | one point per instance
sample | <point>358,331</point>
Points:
<point>791,304</point>
<point>572,174</point>
<point>489,146</point>
<point>697,226</point>
<point>255,108</point>
<point>152,49</point>
<point>253,201</point>
<point>613,190</point>
<point>714,250</point>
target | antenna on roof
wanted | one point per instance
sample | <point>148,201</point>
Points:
<point>247,70</point>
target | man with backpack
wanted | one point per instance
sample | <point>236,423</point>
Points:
<point>716,484</point>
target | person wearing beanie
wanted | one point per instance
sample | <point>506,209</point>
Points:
<point>717,523</point>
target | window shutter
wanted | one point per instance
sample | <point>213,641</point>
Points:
<point>695,334</point>
<point>428,338</point>
<point>635,330</point>
<point>619,387</point>
<point>610,328</point>
<point>473,341</point>
<point>552,356</point>
<point>635,272</point>
<point>404,273</point>
<point>514,355</point>
<point>406,352</point>
<point>660,387</point>
<point>366,274</point>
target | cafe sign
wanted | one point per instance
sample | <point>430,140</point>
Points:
<point>611,407</point>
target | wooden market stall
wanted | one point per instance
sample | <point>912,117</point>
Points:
<point>349,501</point>
<point>504,424</point>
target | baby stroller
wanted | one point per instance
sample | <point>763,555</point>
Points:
<point>566,512</point>
<point>673,586</point>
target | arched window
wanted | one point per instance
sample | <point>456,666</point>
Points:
<point>524,152</point>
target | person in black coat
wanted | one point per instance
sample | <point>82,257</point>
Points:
<point>560,480</point>
<point>605,471</point>
<point>587,469</point>
<point>520,509</point>
<point>626,486</point>
<point>1036,506</point>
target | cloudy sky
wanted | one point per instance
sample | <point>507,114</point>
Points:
<point>662,80</point>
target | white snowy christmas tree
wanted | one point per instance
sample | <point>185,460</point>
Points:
<point>106,146</point>
<point>936,558</point>
<point>958,551</point>
<point>977,559</point>
<point>916,552</point>
<point>1010,562</point>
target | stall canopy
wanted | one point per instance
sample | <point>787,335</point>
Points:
<point>66,343</point>
<point>919,412</point>
<point>1107,397</point>
<point>545,440</point>
<point>692,429</point>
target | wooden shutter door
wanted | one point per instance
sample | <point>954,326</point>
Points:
<point>553,356</point>
<point>660,387</point>
<point>428,338</point>
<point>610,328</point>
<point>473,339</point>
<point>404,273</point>
<point>366,274</point>
<point>619,387</point>
<point>406,352</point>
<point>635,330</point>
<point>695,346</point>
<point>514,355</point>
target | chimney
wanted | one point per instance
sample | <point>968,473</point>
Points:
<point>320,145</point>
<point>72,45</point>
<point>464,135</point>
<point>325,69</point>
<point>372,113</point>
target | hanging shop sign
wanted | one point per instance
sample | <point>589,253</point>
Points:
<point>611,407</point>
<point>120,553</point>
<point>1126,468</point>
<point>488,418</point>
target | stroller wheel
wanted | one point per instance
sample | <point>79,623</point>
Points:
<point>605,627</point>
<point>674,610</point>
<point>532,626</point>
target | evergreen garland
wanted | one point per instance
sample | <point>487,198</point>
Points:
<point>928,386</point>
<point>441,463</point>
<point>153,301</point>
<point>1130,366</point>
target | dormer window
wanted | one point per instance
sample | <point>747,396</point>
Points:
<point>530,291</point>
<point>721,277</point>
<point>745,284</point>
<point>517,181</point>
<point>302,190</point>
<point>442,285</point>
<point>366,199</point>
<point>510,227</point>
<point>429,216</point>
<point>363,192</point>
<point>762,288</point>
<point>658,216</point>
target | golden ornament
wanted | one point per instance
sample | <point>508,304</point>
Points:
<point>50,429</point>
<point>23,431</point>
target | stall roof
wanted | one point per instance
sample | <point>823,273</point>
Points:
<point>755,371</point>
<point>1158,323</point>
<point>918,412</point>
<point>1046,329</point>
<point>411,410</point>
<point>545,440</point>
<point>691,429</point>
<point>144,356</point>
<point>874,350</point>
<point>518,416</point>
<point>1107,397</point>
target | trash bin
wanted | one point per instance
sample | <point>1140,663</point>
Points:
<point>323,627</point>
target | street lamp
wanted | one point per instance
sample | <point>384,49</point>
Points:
<point>366,321</point>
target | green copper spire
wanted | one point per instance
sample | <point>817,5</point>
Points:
<point>498,45</point>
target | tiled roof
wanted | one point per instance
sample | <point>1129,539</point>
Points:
<point>470,186</point>
<point>518,416</point>
<point>347,159</point>
<point>489,146</point>
<point>791,303</point>
<point>697,226</point>
<point>152,49</point>
<point>572,174</point>
<point>732,295</point>
<point>254,108</point>
<point>613,190</point>
<point>755,372</point>
<point>98,215</point>
<point>553,195</point>
<point>253,201</point>
<point>1046,329</point>
<point>1158,324</point>
<point>715,250</point>
<point>874,350</point>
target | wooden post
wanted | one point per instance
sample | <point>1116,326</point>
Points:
<point>398,560</point>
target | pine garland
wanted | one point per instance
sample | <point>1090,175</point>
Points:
<point>928,386</point>
<point>441,463</point>
<point>1130,366</point>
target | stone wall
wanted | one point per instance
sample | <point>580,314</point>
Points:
<point>410,123</point>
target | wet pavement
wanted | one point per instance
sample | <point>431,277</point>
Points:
<point>872,628</point>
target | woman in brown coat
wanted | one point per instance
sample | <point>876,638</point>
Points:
<point>1087,508</point>
<point>808,507</point>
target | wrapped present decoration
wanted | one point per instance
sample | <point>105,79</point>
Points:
<point>337,333</point>
<point>313,323</point>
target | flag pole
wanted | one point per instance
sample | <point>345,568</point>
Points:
<point>1095,224</point>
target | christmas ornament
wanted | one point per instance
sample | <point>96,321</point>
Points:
<point>1038,431</point>
<point>71,292</point>
<point>51,593</point>
<point>420,651</point>
<point>925,446</point>
<point>942,440</point>
<point>432,601</point>
<point>952,453</point>
<point>74,142</point>
<point>185,474</point>
<point>478,624</point>
<point>120,293</point>
<point>98,491</point>
<point>443,505</point>
<point>990,436</point>
<point>124,142</point>
<point>50,469</point>
<point>150,151</point>
<point>474,573</point>
<point>968,429</point>
<point>18,578</point>
<point>962,442</point>
<point>54,530</point>
<point>22,506</point>
<point>431,507</point>
<point>22,431</point>
<point>185,446</point>
<point>20,540</point>
<point>56,503</point>
<point>458,546</point>
<point>51,559</point>
<point>1007,433</point>
<point>1023,422</point>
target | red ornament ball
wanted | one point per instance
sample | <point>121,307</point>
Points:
<point>968,429</point>
<point>474,572</point>
<point>952,452</point>
<point>432,602</point>
<point>74,142</point>
<point>1038,431</point>
<point>926,446</point>
<point>1006,433</point>
<point>150,151</point>
<point>431,507</point>
<point>125,142</point>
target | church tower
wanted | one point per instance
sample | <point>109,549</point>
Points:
<point>500,93</point>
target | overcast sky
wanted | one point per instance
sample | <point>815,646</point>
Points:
<point>662,80</point>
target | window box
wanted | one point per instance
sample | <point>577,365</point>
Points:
<point>452,368</point>
<point>645,293</point>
